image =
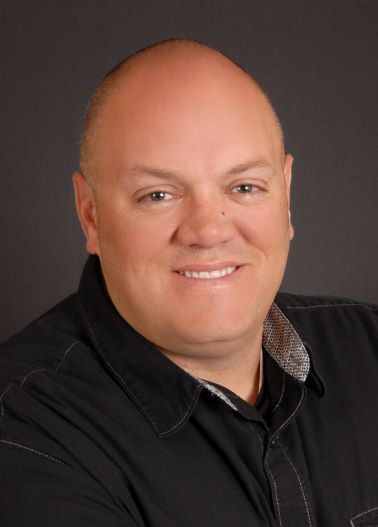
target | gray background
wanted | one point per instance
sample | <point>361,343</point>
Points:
<point>317,59</point>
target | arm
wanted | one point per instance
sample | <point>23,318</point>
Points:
<point>37,490</point>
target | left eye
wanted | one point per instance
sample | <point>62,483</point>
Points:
<point>243,189</point>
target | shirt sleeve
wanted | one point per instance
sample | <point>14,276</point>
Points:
<point>37,490</point>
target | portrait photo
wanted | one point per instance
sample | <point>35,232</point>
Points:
<point>189,308</point>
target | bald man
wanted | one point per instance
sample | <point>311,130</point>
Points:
<point>177,387</point>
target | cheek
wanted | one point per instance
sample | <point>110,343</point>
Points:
<point>135,239</point>
<point>266,228</point>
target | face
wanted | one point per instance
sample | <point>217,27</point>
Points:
<point>189,215</point>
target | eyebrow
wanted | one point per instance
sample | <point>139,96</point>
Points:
<point>143,170</point>
<point>250,165</point>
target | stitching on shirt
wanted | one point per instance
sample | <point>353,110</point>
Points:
<point>292,415</point>
<point>45,369</point>
<point>66,354</point>
<point>215,391</point>
<point>300,482</point>
<point>258,435</point>
<point>276,434</point>
<point>31,450</point>
<point>2,404</point>
<point>281,396</point>
<point>24,379</point>
<point>31,373</point>
<point>118,375</point>
<point>275,494</point>
<point>372,308</point>
<point>198,388</point>
<point>361,514</point>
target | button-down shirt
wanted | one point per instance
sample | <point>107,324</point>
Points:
<point>99,428</point>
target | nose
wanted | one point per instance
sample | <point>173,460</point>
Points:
<point>205,224</point>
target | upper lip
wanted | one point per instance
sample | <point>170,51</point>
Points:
<point>206,267</point>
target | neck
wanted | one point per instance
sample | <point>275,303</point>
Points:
<point>238,369</point>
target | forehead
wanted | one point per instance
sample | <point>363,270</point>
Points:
<point>204,112</point>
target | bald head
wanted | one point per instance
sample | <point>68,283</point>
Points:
<point>178,63</point>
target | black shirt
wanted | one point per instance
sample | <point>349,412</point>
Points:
<point>99,428</point>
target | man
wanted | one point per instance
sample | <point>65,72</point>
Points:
<point>177,387</point>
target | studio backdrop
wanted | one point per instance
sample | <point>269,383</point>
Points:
<point>317,60</point>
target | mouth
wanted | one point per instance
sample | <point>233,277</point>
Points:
<point>208,274</point>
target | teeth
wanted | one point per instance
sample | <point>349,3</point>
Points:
<point>204,275</point>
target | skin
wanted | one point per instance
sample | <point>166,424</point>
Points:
<point>204,141</point>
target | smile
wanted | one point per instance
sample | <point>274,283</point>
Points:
<point>208,275</point>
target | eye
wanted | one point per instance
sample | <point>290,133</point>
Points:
<point>245,188</point>
<point>157,195</point>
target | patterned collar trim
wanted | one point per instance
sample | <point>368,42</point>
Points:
<point>216,391</point>
<point>284,345</point>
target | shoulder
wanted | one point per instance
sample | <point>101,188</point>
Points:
<point>339,314</point>
<point>336,311</point>
<point>334,327</point>
<point>43,345</point>
<point>294,302</point>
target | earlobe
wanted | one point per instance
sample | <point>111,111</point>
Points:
<point>291,230</point>
<point>86,211</point>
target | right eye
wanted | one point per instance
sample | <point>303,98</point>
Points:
<point>157,195</point>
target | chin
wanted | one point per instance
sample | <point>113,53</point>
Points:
<point>215,332</point>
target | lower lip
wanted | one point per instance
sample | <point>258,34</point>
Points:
<point>209,282</point>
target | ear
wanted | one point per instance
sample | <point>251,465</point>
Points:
<point>87,212</point>
<point>288,163</point>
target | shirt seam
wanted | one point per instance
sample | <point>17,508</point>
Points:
<point>361,514</point>
<point>275,491</point>
<point>21,384</point>
<point>130,391</point>
<point>277,405</point>
<point>192,402</point>
<point>31,450</point>
<point>292,415</point>
<point>300,482</point>
<point>116,373</point>
<point>258,435</point>
<point>313,306</point>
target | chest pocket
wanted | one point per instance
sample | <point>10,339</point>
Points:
<point>366,519</point>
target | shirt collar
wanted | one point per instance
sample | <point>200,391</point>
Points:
<point>283,343</point>
<point>165,394</point>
